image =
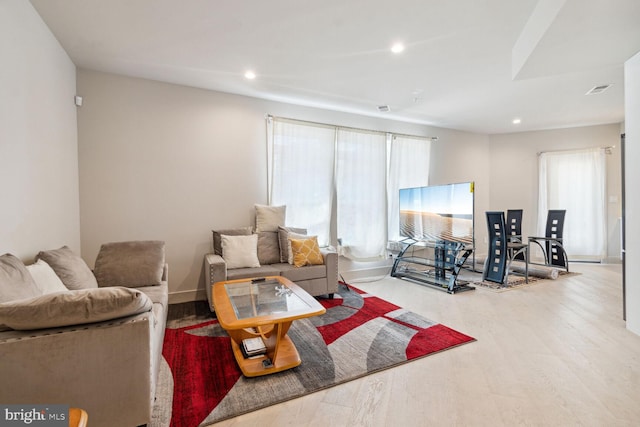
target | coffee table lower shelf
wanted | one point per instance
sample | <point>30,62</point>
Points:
<point>286,357</point>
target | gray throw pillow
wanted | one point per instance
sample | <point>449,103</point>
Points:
<point>269,218</point>
<point>15,281</point>
<point>131,264</point>
<point>217,239</point>
<point>283,234</point>
<point>268,248</point>
<point>70,268</point>
<point>73,308</point>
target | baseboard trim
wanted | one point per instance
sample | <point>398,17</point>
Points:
<point>365,273</point>
<point>187,296</point>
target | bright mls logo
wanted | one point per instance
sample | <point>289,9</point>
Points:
<point>34,415</point>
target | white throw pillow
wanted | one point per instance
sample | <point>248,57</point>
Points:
<point>283,233</point>
<point>269,218</point>
<point>70,268</point>
<point>46,279</point>
<point>240,251</point>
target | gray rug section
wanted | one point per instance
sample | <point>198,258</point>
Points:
<point>389,345</point>
<point>161,416</point>
<point>410,318</point>
<point>350,297</point>
<point>337,314</point>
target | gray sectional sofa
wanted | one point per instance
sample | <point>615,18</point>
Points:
<point>273,259</point>
<point>94,342</point>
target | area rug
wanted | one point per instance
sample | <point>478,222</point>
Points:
<point>360,334</point>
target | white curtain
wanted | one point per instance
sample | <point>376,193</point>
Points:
<point>312,165</point>
<point>301,164</point>
<point>575,181</point>
<point>361,193</point>
<point>408,167</point>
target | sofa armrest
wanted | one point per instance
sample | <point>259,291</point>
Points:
<point>215,270</point>
<point>331,261</point>
<point>165,273</point>
<point>102,368</point>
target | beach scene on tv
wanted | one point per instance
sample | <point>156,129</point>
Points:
<point>441,212</point>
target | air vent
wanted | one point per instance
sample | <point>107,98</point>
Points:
<point>598,89</point>
<point>384,108</point>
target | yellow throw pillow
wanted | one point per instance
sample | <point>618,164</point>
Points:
<point>306,252</point>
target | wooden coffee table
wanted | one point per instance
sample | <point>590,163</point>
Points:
<point>263,307</point>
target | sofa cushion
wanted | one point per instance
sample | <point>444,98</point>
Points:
<point>283,240</point>
<point>296,274</point>
<point>240,251</point>
<point>268,247</point>
<point>246,273</point>
<point>15,281</point>
<point>46,279</point>
<point>157,294</point>
<point>306,251</point>
<point>217,236</point>
<point>269,218</point>
<point>131,264</point>
<point>73,308</point>
<point>70,268</point>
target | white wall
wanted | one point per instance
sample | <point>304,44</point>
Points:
<point>514,172</point>
<point>632,201</point>
<point>168,162</point>
<point>461,157</point>
<point>38,137</point>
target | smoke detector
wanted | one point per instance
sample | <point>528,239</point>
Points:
<point>384,108</point>
<point>598,89</point>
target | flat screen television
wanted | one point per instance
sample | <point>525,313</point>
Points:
<point>438,212</point>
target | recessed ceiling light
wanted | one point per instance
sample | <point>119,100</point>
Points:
<point>516,121</point>
<point>250,75</point>
<point>397,48</point>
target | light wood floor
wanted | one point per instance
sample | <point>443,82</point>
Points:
<point>555,353</point>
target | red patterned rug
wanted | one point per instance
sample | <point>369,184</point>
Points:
<point>359,334</point>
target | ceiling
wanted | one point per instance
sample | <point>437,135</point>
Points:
<point>468,64</point>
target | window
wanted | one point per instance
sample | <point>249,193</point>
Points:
<point>301,160</point>
<point>361,193</point>
<point>311,165</point>
<point>575,181</point>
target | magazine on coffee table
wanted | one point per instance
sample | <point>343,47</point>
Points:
<point>253,346</point>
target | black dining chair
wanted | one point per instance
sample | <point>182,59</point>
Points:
<point>514,229</point>
<point>551,243</point>
<point>501,251</point>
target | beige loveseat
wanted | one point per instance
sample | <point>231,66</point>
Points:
<point>83,341</point>
<point>272,260</point>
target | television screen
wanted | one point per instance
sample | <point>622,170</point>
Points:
<point>438,212</point>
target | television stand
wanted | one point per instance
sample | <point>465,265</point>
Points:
<point>433,263</point>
